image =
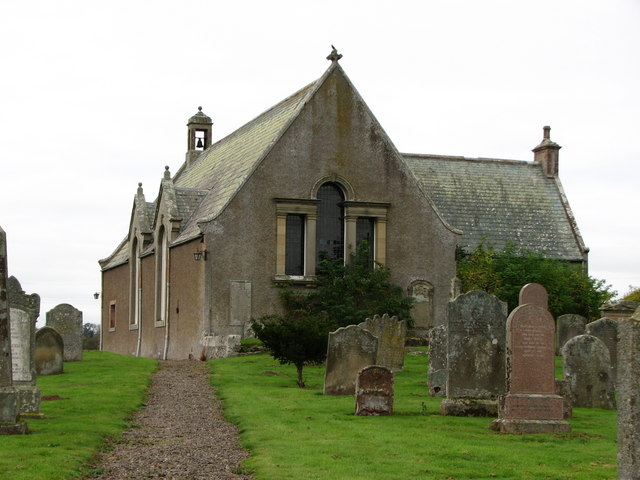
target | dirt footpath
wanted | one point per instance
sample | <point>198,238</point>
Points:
<point>179,434</point>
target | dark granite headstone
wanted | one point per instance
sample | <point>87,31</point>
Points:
<point>567,327</point>
<point>49,352</point>
<point>438,361</point>
<point>9,401</point>
<point>531,405</point>
<point>628,395</point>
<point>391,334</point>
<point>67,320</point>
<point>607,331</point>
<point>349,350</point>
<point>374,391</point>
<point>587,371</point>
<point>475,355</point>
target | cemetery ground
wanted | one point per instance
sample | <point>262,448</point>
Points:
<point>295,433</point>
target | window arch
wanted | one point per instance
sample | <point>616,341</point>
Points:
<point>162,280</point>
<point>135,303</point>
<point>330,223</point>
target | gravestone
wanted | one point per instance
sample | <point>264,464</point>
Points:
<point>628,395</point>
<point>24,310</point>
<point>567,327</point>
<point>587,370</point>
<point>437,371</point>
<point>607,331</point>
<point>562,389</point>
<point>49,352</point>
<point>67,321</point>
<point>531,404</point>
<point>9,406</point>
<point>391,334</point>
<point>476,348</point>
<point>349,350</point>
<point>374,391</point>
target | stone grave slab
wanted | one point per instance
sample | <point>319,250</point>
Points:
<point>374,391</point>
<point>628,395</point>
<point>49,352</point>
<point>437,371</point>
<point>349,350</point>
<point>606,330</point>
<point>67,320</point>
<point>391,334</point>
<point>531,404</point>
<point>587,370</point>
<point>567,327</point>
<point>476,347</point>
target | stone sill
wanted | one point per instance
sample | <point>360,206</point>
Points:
<point>295,280</point>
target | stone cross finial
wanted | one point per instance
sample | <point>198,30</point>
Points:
<point>334,56</point>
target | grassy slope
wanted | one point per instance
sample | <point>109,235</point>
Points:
<point>100,393</point>
<point>300,434</point>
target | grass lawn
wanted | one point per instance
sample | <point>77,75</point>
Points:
<point>299,434</point>
<point>97,395</point>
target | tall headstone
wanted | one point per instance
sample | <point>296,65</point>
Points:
<point>628,395</point>
<point>24,310</point>
<point>567,327</point>
<point>607,331</point>
<point>67,320</point>
<point>391,334</point>
<point>587,370</point>
<point>49,352</point>
<point>374,391</point>
<point>531,404</point>
<point>476,348</point>
<point>349,350</point>
<point>9,407</point>
<point>437,371</point>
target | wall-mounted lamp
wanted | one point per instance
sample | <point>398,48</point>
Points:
<point>197,255</point>
<point>96,295</point>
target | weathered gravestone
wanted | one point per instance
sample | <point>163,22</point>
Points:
<point>587,370</point>
<point>25,310</point>
<point>607,331</point>
<point>438,361</point>
<point>349,350</point>
<point>628,395</point>
<point>476,348</point>
<point>67,320</point>
<point>374,391</point>
<point>562,389</point>
<point>9,407</point>
<point>531,404</point>
<point>567,327</point>
<point>391,334</point>
<point>49,352</point>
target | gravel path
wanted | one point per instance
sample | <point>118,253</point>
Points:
<point>179,434</point>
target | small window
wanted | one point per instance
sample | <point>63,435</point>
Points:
<point>112,316</point>
<point>294,261</point>
<point>330,226</point>
<point>365,233</point>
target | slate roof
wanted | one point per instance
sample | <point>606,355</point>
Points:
<point>502,201</point>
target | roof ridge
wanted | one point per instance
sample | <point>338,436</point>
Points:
<point>462,158</point>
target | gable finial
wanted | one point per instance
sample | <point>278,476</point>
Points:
<point>334,56</point>
<point>139,188</point>
<point>167,174</point>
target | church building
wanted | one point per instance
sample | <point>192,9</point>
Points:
<point>311,178</point>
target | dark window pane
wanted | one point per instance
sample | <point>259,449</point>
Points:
<point>330,223</point>
<point>294,249</point>
<point>364,233</point>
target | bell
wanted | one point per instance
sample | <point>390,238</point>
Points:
<point>199,144</point>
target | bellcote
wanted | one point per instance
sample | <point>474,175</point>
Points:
<point>546,154</point>
<point>199,128</point>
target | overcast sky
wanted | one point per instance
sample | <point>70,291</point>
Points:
<point>94,98</point>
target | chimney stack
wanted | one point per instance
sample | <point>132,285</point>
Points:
<point>546,154</point>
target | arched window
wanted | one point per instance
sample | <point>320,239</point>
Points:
<point>162,261</point>
<point>134,282</point>
<point>330,224</point>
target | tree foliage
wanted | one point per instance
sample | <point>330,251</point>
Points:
<point>504,273</point>
<point>343,295</point>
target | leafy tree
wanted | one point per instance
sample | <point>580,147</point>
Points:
<point>504,273</point>
<point>90,336</point>
<point>344,295</point>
